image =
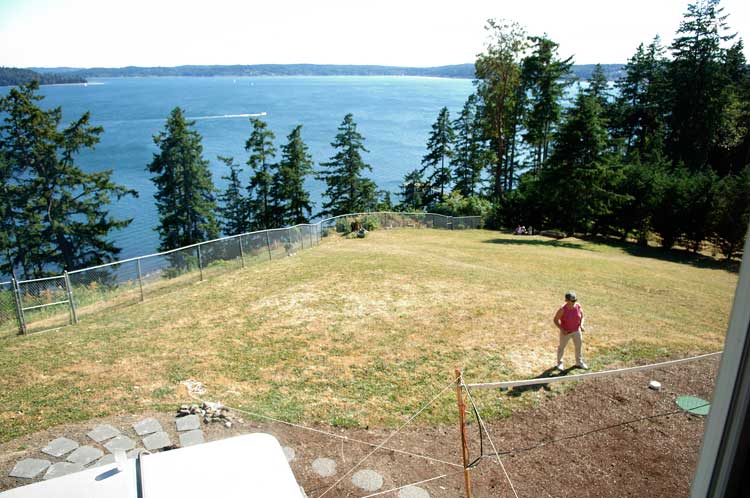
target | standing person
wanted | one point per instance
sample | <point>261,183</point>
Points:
<point>569,320</point>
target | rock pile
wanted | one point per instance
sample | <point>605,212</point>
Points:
<point>209,412</point>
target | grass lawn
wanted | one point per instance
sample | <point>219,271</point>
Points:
<point>363,331</point>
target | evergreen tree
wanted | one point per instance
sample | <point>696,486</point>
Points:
<point>699,84</point>
<point>470,152</point>
<point>346,189</point>
<point>233,209</point>
<point>54,215</point>
<point>498,74</point>
<point>412,192</point>
<point>264,213</point>
<point>641,104</point>
<point>184,189</point>
<point>579,180</point>
<point>439,149</point>
<point>731,214</point>
<point>290,194</point>
<point>542,76</point>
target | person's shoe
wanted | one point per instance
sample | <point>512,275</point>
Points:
<point>582,365</point>
<point>560,366</point>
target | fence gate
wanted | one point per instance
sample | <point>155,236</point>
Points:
<point>45,303</point>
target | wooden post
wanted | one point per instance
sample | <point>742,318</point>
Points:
<point>462,423</point>
<point>19,307</point>
<point>69,292</point>
<point>140,277</point>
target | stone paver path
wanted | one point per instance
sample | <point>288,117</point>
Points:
<point>120,443</point>
<point>190,438</point>
<point>103,432</point>
<point>413,492</point>
<point>324,467</point>
<point>368,480</point>
<point>147,426</point>
<point>84,455</point>
<point>60,446</point>
<point>289,453</point>
<point>62,468</point>
<point>29,468</point>
<point>135,452</point>
<point>188,423</point>
<point>156,441</point>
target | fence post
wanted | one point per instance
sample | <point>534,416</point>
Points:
<point>242,252</point>
<point>19,307</point>
<point>200,263</point>
<point>462,422</point>
<point>140,277</point>
<point>311,230</point>
<point>268,244</point>
<point>69,292</point>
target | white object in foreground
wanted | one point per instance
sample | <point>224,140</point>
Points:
<point>253,465</point>
<point>655,385</point>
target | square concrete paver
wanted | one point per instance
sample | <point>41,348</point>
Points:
<point>190,438</point>
<point>188,423</point>
<point>59,447</point>
<point>29,468</point>
<point>103,432</point>
<point>62,468</point>
<point>120,443</point>
<point>157,441</point>
<point>85,455</point>
<point>135,452</point>
<point>147,426</point>
<point>105,460</point>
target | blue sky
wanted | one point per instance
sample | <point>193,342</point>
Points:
<point>86,33</point>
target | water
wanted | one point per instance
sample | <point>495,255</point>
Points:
<point>394,114</point>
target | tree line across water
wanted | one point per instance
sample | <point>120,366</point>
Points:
<point>666,155</point>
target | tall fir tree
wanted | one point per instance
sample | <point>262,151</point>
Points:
<point>264,212</point>
<point>470,150</point>
<point>290,194</point>
<point>498,76</point>
<point>438,157</point>
<point>543,78</point>
<point>233,209</point>
<point>699,84</point>
<point>54,215</point>
<point>346,189</point>
<point>184,189</point>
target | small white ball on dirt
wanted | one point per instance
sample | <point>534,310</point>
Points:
<point>655,385</point>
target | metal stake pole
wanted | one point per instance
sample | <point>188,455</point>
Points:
<point>200,263</point>
<point>19,307</point>
<point>242,253</point>
<point>140,277</point>
<point>311,230</point>
<point>462,423</point>
<point>268,244</point>
<point>69,292</point>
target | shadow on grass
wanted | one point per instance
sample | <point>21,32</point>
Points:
<point>681,256</point>
<point>522,240</point>
<point>550,372</point>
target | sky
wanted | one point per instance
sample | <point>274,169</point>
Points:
<point>108,33</point>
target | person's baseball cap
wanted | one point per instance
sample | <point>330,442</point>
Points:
<point>570,296</point>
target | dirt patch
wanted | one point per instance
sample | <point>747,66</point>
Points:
<point>571,444</point>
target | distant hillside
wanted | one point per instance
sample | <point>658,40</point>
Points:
<point>13,76</point>
<point>612,71</point>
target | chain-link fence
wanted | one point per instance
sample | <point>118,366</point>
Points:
<point>56,301</point>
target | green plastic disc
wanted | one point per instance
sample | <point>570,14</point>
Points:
<point>693,405</point>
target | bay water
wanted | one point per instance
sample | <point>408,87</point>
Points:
<point>394,114</point>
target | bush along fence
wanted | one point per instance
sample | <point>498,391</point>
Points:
<point>48,303</point>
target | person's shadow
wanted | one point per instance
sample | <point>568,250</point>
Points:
<point>550,372</point>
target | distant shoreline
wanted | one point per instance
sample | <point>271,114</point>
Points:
<point>456,71</point>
